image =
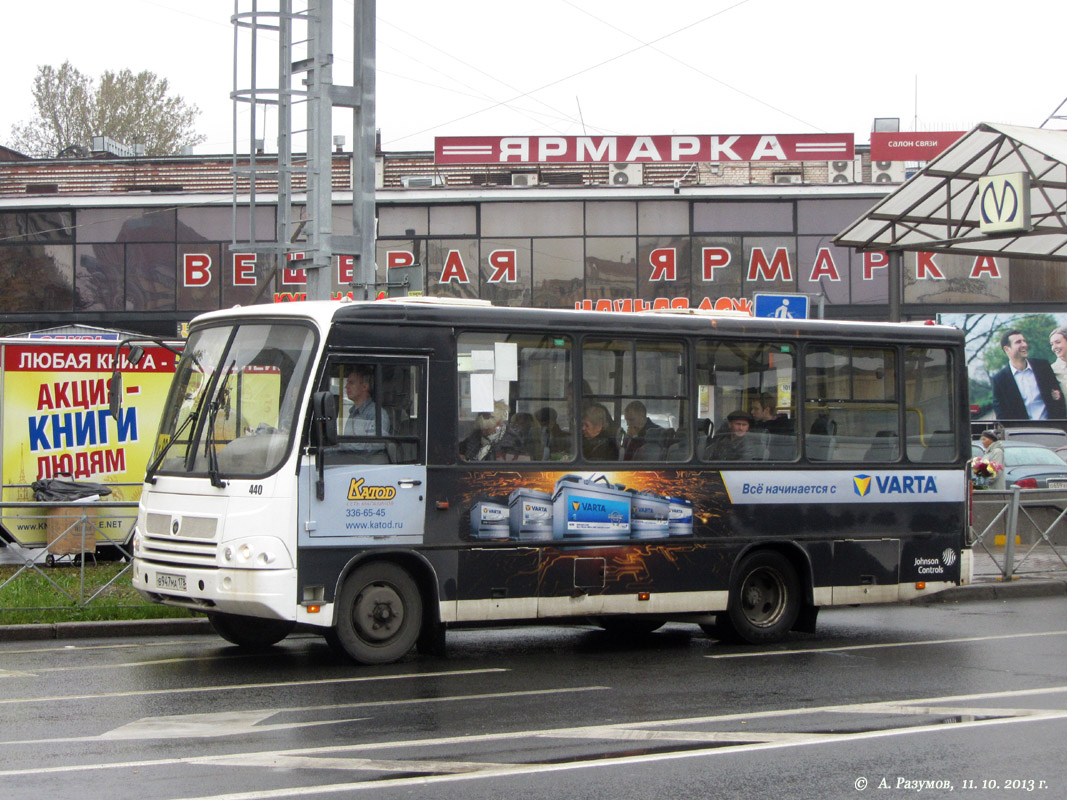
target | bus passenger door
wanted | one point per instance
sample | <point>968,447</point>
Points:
<point>373,480</point>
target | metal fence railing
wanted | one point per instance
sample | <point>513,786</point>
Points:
<point>50,534</point>
<point>1023,531</point>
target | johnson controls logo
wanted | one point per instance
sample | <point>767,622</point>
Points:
<point>893,485</point>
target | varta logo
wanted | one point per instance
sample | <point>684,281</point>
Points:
<point>861,484</point>
<point>895,484</point>
<point>357,491</point>
<point>576,505</point>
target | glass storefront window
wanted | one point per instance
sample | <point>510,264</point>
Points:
<point>770,264</point>
<point>662,217</point>
<point>822,270</point>
<point>754,217</point>
<point>617,218</point>
<point>610,268</point>
<point>127,225</point>
<point>532,219</point>
<point>453,220</point>
<point>663,267</point>
<point>199,277</point>
<point>403,221</point>
<point>100,277</point>
<point>558,279</point>
<point>452,268</point>
<point>150,284</point>
<point>505,272</point>
<point>36,278</point>
<point>216,224</point>
<point>718,266</point>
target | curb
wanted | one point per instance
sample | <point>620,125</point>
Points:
<point>105,629</point>
<point>996,590</point>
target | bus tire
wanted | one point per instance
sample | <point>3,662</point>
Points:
<point>764,599</point>
<point>254,633</point>
<point>379,614</point>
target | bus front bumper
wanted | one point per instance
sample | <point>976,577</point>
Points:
<point>267,593</point>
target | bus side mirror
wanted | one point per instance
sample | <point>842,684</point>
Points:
<point>114,394</point>
<point>136,354</point>
<point>324,406</point>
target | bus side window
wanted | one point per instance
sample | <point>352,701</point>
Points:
<point>513,398</point>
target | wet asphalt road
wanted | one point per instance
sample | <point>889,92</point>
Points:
<point>966,699</point>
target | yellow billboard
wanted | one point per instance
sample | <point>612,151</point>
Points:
<point>55,422</point>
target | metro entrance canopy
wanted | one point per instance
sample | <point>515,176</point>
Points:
<point>939,209</point>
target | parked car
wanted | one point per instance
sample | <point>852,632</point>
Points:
<point>1047,437</point>
<point>1031,466</point>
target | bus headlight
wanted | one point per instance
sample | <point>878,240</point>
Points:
<point>256,553</point>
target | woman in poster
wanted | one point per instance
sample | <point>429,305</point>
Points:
<point>1058,342</point>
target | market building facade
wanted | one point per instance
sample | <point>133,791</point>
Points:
<point>146,244</point>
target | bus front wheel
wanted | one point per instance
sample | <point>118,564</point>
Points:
<point>251,632</point>
<point>379,614</point>
<point>764,599</point>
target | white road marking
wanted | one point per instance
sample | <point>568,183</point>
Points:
<point>248,686</point>
<point>312,757</point>
<point>846,648</point>
<point>243,723</point>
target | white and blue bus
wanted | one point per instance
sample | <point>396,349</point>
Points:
<point>379,472</point>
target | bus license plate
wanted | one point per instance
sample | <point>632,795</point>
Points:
<point>173,582</point>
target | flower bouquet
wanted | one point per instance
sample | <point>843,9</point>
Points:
<point>984,470</point>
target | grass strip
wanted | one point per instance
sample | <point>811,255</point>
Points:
<point>32,598</point>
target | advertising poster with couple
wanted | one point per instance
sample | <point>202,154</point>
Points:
<point>1017,364</point>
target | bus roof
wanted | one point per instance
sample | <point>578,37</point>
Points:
<point>479,313</point>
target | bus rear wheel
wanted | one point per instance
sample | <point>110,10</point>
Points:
<point>379,614</point>
<point>764,599</point>
<point>251,632</point>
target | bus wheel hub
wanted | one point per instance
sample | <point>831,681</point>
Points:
<point>379,612</point>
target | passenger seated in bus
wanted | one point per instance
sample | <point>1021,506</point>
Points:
<point>521,440</point>
<point>364,417</point>
<point>733,444</point>
<point>639,430</point>
<point>555,442</point>
<point>765,416</point>
<point>481,444</point>
<point>597,442</point>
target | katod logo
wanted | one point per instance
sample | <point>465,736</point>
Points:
<point>861,484</point>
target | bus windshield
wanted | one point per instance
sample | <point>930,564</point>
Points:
<point>234,399</point>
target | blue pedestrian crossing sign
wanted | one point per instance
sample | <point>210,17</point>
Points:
<point>781,306</point>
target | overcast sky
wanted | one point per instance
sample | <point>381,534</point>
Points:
<point>493,67</point>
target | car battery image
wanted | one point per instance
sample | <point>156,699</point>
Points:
<point>650,517</point>
<point>586,508</point>
<point>530,515</point>
<point>680,521</point>
<point>489,521</point>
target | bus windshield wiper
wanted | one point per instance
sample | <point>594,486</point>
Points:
<point>194,415</point>
<point>211,450</point>
<point>150,471</point>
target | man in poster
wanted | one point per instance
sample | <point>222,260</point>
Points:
<point>1027,387</point>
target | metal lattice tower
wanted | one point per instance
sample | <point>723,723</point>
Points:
<point>297,46</point>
